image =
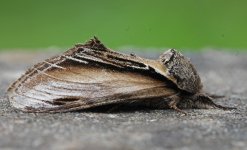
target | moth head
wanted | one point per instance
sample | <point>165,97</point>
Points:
<point>180,71</point>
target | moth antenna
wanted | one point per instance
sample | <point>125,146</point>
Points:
<point>224,107</point>
<point>214,96</point>
<point>205,101</point>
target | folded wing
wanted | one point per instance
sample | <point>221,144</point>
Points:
<point>84,77</point>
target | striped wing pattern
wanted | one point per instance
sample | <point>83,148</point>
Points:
<point>85,77</point>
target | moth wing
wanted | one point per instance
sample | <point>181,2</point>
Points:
<point>95,51</point>
<point>83,86</point>
<point>87,76</point>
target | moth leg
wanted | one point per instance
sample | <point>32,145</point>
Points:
<point>206,102</point>
<point>174,100</point>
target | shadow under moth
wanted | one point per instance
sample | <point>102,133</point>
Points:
<point>91,75</point>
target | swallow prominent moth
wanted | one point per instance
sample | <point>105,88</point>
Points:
<point>91,75</point>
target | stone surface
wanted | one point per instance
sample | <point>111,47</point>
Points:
<point>222,73</point>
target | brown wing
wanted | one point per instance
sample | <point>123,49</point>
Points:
<point>70,82</point>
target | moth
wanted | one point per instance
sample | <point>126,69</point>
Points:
<point>91,75</point>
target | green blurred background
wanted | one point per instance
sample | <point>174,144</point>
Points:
<point>182,24</point>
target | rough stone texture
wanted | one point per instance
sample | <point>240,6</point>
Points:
<point>222,73</point>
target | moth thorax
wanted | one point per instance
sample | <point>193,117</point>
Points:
<point>181,71</point>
